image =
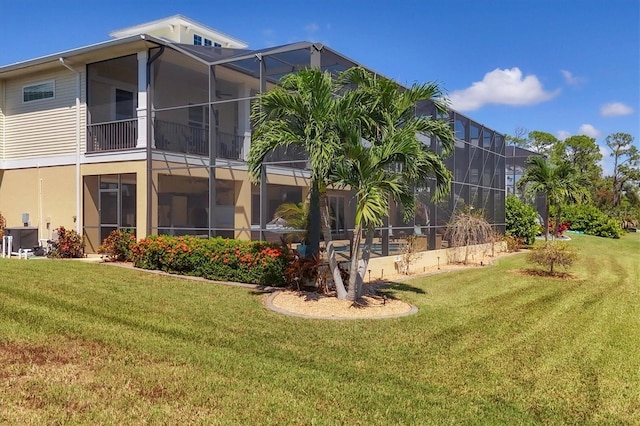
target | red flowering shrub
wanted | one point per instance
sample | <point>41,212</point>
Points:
<point>222,259</point>
<point>70,244</point>
<point>563,227</point>
<point>302,271</point>
<point>117,246</point>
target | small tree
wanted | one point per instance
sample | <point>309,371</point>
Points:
<point>551,254</point>
<point>410,253</point>
<point>468,229</point>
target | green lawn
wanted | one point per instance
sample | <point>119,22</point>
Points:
<point>86,343</point>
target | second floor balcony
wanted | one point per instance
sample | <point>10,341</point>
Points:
<point>168,136</point>
<point>179,138</point>
<point>188,139</point>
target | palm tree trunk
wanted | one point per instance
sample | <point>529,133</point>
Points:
<point>366,255</point>
<point>325,220</point>
<point>353,291</point>
<point>313,237</point>
<point>546,218</point>
<point>557,227</point>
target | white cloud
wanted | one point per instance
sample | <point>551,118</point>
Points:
<point>503,87</point>
<point>268,37</point>
<point>589,130</point>
<point>563,134</point>
<point>571,79</point>
<point>614,109</point>
<point>312,27</point>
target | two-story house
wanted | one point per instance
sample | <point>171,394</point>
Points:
<point>150,131</point>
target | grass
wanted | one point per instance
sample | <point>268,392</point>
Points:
<point>85,343</point>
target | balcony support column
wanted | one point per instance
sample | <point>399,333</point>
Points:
<point>213,151</point>
<point>244,121</point>
<point>142,100</point>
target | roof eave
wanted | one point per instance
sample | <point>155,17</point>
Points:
<point>68,54</point>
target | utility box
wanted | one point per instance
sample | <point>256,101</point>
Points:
<point>25,237</point>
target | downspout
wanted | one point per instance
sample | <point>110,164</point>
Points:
<point>78,177</point>
<point>150,138</point>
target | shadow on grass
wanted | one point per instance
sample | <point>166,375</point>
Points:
<point>388,289</point>
<point>546,274</point>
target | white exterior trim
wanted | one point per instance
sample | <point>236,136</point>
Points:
<point>69,160</point>
<point>176,22</point>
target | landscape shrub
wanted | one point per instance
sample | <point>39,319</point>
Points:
<point>564,226</point>
<point>590,220</point>
<point>302,271</point>
<point>3,224</point>
<point>551,254</point>
<point>70,244</point>
<point>254,262</point>
<point>467,229</point>
<point>521,220</point>
<point>118,245</point>
<point>513,243</point>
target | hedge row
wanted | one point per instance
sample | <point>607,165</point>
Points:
<point>254,262</point>
<point>588,219</point>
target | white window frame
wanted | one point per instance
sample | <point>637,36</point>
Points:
<point>194,39</point>
<point>39,83</point>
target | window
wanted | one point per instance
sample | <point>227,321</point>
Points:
<point>207,42</point>
<point>197,40</point>
<point>125,105</point>
<point>217,45</point>
<point>35,92</point>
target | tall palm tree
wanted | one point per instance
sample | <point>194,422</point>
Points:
<point>301,112</point>
<point>382,157</point>
<point>560,183</point>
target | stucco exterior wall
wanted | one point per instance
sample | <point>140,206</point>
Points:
<point>46,193</point>
<point>387,266</point>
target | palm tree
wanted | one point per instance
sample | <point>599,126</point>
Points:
<point>560,183</point>
<point>383,159</point>
<point>301,112</point>
<point>296,217</point>
<point>361,134</point>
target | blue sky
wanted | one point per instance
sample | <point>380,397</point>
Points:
<point>562,66</point>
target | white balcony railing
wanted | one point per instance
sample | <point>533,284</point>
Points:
<point>112,136</point>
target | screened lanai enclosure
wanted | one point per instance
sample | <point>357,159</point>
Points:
<point>199,135</point>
